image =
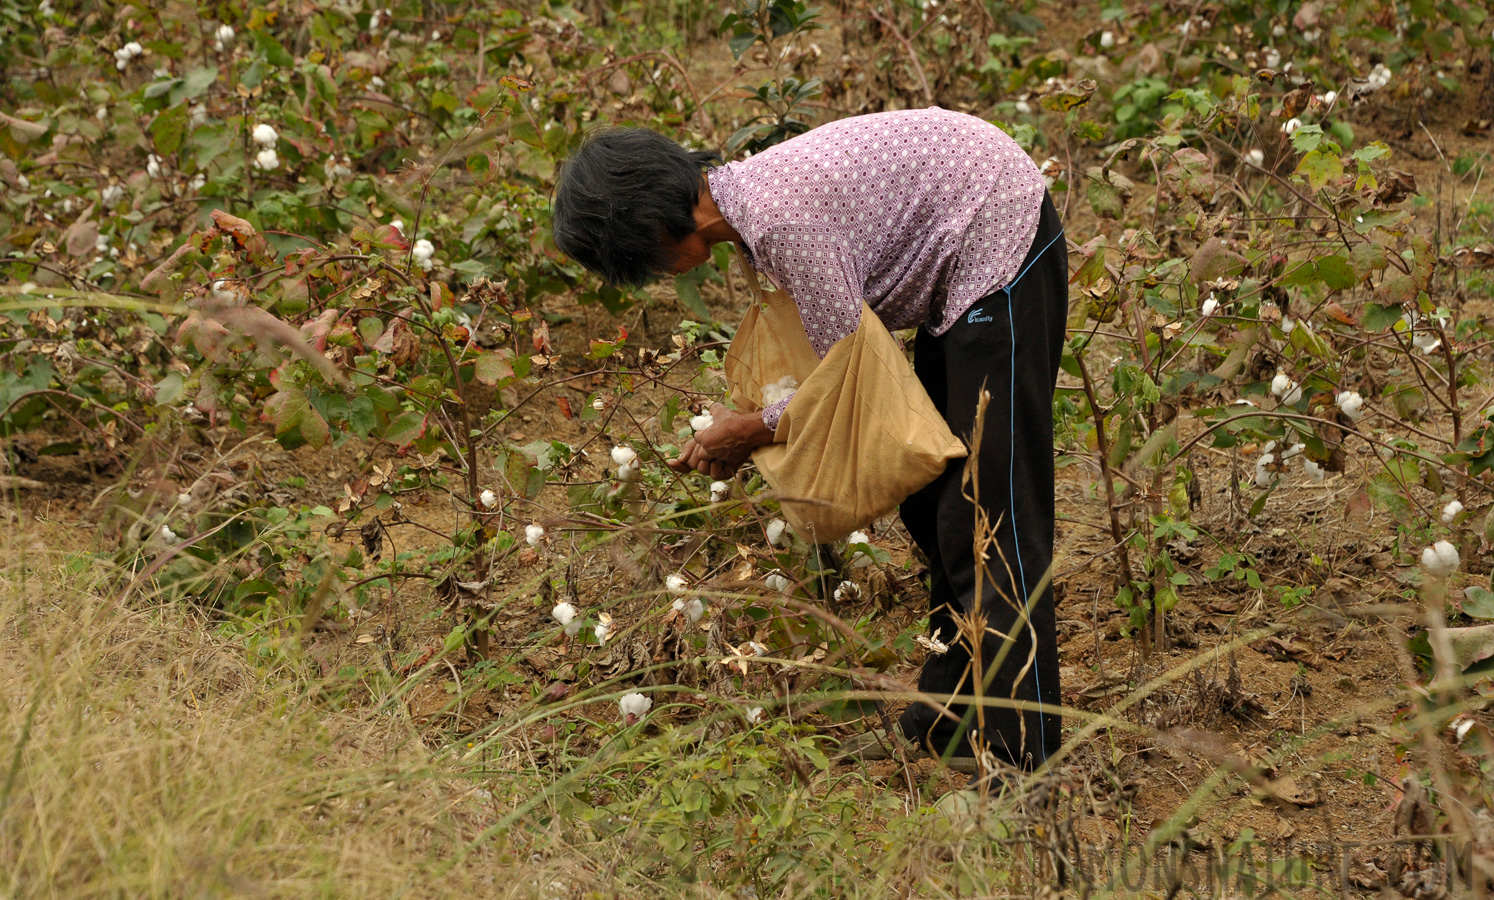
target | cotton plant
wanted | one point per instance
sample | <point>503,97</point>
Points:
<point>1285,389</point>
<point>534,532</point>
<point>568,618</point>
<point>1441,559</point>
<point>1351,404</point>
<point>626,460</point>
<point>424,252</point>
<point>689,608</point>
<point>127,54</point>
<point>634,707</point>
<point>778,532</point>
<point>603,629</point>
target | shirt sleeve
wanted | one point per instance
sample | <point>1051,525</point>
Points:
<point>818,270</point>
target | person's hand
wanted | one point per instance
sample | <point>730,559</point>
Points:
<point>721,449</point>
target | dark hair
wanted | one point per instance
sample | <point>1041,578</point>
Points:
<point>620,194</point>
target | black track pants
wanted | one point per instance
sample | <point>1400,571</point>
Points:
<point>1016,490</point>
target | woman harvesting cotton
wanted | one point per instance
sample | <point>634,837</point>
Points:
<point>934,220</point>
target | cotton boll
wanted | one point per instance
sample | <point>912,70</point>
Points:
<point>847,592</point>
<point>857,537</point>
<point>569,619</point>
<point>398,225</point>
<point>1283,387</point>
<point>1312,470</point>
<point>777,581</point>
<point>720,490</point>
<point>1023,107</point>
<point>1051,169</point>
<point>1426,342</point>
<point>1278,31</point>
<point>224,34</point>
<point>1272,58</point>
<point>267,160</point>
<point>198,182</point>
<point>168,535</point>
<point>265,135</point>
<point>423,250</point>
<point>859,560</point>
<point>701,422</point>
<point>1351,404</point>
<point>1329,98</point>
<point>1262,474</point>
<point>376,83</point>
<point>1256,157</point>
<point>676,584</point>
<point>755,715</point>
<point>1107,40</point>
<point>1451,511</point>
<point>623,455</point>
<point>634,706</point>
<point>153,166</point>
<point>488,499</point>
<point>776,533</point>
<point>1440,559</point>
<point>134,49</point>
<point>111,194</point>
<point>603,629</point>
<point>692,608</point>
<point>629,472</point>
<point>1291,126</point>
<point>1210,306</point>
<point>533,534</point>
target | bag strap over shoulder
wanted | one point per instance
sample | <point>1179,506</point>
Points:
<point>750,273</point>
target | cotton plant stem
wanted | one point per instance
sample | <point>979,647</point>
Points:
<point>1117,533</point>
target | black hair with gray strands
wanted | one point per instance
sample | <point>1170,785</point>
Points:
<point>619,195</point>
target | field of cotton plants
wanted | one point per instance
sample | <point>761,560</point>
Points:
<point>341,558</point>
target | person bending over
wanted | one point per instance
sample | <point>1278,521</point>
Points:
<point>934,219</point>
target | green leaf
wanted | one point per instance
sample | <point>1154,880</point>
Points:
<point>524,130</point>
<point>490,368</point>
<point>1319,168</point>
<point>1104,199</point>
<point>168,129</point>
<point>405,429</point>
<point>690,298</point>
<point>274,52</point>
<point>1478,602</point>
<point>193,85</point>
<point>1379,318</point>
<point>1371,151</point>
<point>169,389</point>
<point>1307,138</point>
<point>1336,272</point>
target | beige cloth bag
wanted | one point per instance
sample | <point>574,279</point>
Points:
<point>859,435</point>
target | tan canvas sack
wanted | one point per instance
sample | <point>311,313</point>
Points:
<point>859,435</point>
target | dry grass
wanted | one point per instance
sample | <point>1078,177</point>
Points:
<point>145,758</point>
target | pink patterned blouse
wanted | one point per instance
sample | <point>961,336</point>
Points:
<point>919,213</point>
